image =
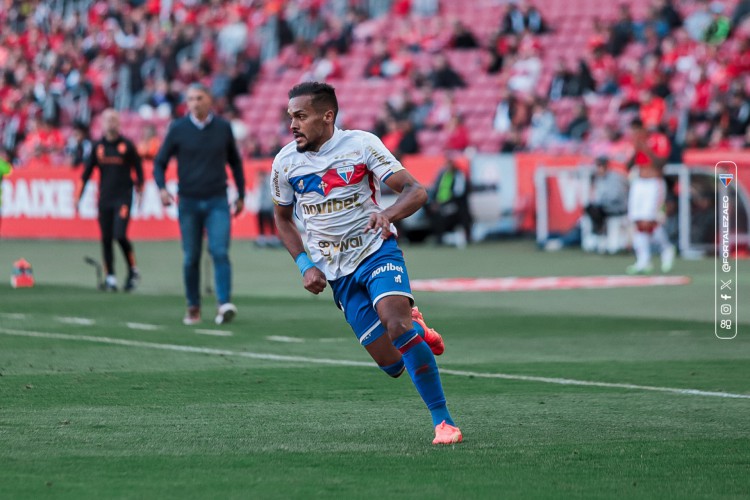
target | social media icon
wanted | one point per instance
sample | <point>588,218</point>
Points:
<point>725,297</point>
<point>726,309</point>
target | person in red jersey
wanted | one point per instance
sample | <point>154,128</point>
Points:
<point>646,198</point>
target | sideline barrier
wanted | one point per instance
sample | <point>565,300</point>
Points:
<point>38,201</point>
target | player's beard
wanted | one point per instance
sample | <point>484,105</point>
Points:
<point>305,147</point>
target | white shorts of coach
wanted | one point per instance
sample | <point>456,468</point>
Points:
<point>646,199</point>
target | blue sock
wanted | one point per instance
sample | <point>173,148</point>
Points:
<point>395,370</point>
<point>418,328</point>
<point>420,363</point>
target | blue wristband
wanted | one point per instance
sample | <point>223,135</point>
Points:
<point>303,263</point>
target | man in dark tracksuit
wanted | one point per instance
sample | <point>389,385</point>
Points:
<point>117,158</point>
<point>203,145</point>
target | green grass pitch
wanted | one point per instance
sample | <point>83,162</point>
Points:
<point>267,407</point>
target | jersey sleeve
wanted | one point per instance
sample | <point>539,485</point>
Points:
<point>91,162</point>
<point>379,160</point>
<point>281,191</point>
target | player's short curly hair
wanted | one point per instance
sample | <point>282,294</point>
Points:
<point>323,95</point>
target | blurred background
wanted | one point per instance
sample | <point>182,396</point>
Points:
<point>521,96</point>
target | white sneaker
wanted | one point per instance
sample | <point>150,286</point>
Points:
<point>667,258</point>
<point>110,283</point>
<point>192,316</point>
<point>226,313</point>
<point>553,245</point>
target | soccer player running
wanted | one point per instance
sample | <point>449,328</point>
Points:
<point>646,199</point>
<point>117,158</point>
<point>331,178</point>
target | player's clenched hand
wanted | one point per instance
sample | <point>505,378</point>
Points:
<point>379,221</point>
<point>166,198</point>
<point>239,206</point>
<point>314,280</point>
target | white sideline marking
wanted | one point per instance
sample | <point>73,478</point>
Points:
<point>69,320</point>
<point>216,333</point>
<point>143,326</point>
<point>282,338</point>
<point>344,362</point>
<point>13,315</point>
<point>567,381</point>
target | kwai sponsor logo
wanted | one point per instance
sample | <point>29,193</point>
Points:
<point>329,248</point>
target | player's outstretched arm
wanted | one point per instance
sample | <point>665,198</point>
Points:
<point>411,197</point>
<point>313,278</point>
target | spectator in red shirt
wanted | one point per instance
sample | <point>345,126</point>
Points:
<point>374,65</point>
<point>401,8</point>
<point>652,109</point>
<point>458,135</point>
<point>702,96</point>
<point>42,142</point>
<point>392,135</point>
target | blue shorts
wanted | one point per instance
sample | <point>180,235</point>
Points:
<point>379,275</point>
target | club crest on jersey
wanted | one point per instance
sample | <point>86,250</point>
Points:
<point>301,185</point>
<point>346,173</point>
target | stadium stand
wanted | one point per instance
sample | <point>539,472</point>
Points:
<point>682,65</point>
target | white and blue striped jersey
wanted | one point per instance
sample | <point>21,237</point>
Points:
<point>334,191</point>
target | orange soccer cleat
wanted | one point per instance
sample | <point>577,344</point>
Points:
<point>433,338</point>
<point>447,434</point>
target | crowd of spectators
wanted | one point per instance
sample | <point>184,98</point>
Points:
<point>63,61</point>
<point>684,67</point>
<point>688,75</point>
